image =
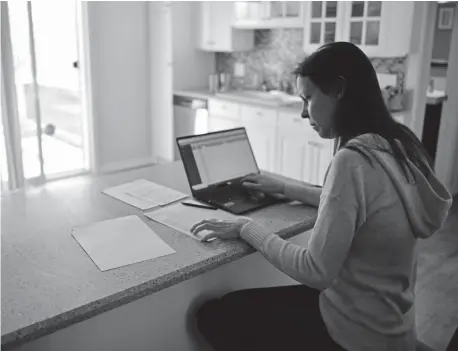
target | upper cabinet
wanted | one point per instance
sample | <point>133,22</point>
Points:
<point>379,28</point>
<point>323,23</point>
<point>268,14</point>
<point>216,32</point>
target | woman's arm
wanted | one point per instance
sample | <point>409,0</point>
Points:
<point>291,189</point>
<point>307,194</point>
<point>338,220</point>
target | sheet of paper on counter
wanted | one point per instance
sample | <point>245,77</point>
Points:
<point>182,218</point>
<point>120,242</point>
<point>144,194</point>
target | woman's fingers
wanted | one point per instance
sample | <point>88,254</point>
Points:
<point>209,237</point>
<point>253,186</point>
<point>211,220</point>
<point>205,226</point>
<point>253,177</point>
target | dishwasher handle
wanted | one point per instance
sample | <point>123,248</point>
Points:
<point>190,102</point>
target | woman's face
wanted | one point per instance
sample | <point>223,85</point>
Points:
<point>318,107</point>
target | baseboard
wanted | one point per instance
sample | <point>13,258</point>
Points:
<point>125,165</point>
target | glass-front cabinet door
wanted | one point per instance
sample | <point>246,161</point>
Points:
<point>323,23</point>
<point>364,18</point>
<point>269,14</point>
<point>379,28</point>
<point>363,25</point>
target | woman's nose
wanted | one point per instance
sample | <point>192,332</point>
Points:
<point>305,113</point>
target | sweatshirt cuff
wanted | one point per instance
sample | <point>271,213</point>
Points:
<point>255,234</point>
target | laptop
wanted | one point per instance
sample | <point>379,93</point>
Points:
<point>215,164</point>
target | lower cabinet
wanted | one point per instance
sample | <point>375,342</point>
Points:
<point>282,143</point>
<point>301,156</point>
<point>262,141</point>
<point>216,123</point>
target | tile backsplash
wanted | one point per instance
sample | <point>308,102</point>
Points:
<point>275,55</point>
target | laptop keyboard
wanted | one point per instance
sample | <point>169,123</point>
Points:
<point>228,193</point>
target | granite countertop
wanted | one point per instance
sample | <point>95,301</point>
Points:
<point>49,283</point>
<point>241,97</point>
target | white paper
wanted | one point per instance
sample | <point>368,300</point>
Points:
<point>182,218</point>
<point>120,242</point>
<point>144,194</point>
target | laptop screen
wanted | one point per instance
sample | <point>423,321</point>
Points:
<point>216,157</point>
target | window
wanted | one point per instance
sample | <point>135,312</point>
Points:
<point>323,22</point>
<point>365,17</point>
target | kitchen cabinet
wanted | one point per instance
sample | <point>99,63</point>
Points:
<point>216,32</point>
<point>301,153</point>
<point>269,14</point>
<point>216,124</point>
<point>282,141</point>
<point>379,28</point>
<point>223,115</point>
<point>260,124</point>
<point>323,23</point>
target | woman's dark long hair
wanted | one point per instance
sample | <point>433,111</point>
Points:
<point>362,109</point>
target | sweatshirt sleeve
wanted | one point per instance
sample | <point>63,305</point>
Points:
<point>338,214</point>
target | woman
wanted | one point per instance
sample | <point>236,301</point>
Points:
<point>358,273</point>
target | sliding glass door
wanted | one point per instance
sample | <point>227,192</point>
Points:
<point>42,132</point>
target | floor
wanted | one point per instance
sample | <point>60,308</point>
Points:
<point>437,284</point>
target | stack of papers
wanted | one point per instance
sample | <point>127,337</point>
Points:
<point>144,194</point>
<point>182,218</point>
<point>120,242</point>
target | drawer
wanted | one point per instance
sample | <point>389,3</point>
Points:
<point>255,115</point>
<point>224,109</point>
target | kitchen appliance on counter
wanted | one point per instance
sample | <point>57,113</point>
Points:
<point>190,117</point>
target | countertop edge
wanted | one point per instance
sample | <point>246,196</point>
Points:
<point>293,108</point>
<point>66,319</point>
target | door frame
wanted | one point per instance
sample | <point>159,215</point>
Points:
<point>417,78</point>
<point>10,115</point>
<point>419,61</point>
<point>447,145</point>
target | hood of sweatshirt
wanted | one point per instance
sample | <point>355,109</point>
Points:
<point>426,201</point>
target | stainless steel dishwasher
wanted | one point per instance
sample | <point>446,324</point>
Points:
<point>190,117</point>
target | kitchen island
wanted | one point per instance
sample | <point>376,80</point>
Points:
<point>55,298</point>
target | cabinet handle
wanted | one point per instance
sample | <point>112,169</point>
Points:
<point>297,120</point>
<point>259,114</point>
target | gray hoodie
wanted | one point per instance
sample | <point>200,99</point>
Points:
<point>361,253</point>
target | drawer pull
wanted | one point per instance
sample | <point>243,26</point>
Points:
<point>297,120</point>
<point>259,114</point>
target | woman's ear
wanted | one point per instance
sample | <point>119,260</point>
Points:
<point>340,87</point>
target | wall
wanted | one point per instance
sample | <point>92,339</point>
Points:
<point>276,53</point>
<point>163,321</point>
<point>118,55</point>
<point>447,146</point>
<point>442,37</point>
<point>160,78</point>
<point>175,64</point>
<point>441,50</point>
<point>191,67</point>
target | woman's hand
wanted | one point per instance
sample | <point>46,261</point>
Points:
<point>263,183</point>
<point>227,229</point>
